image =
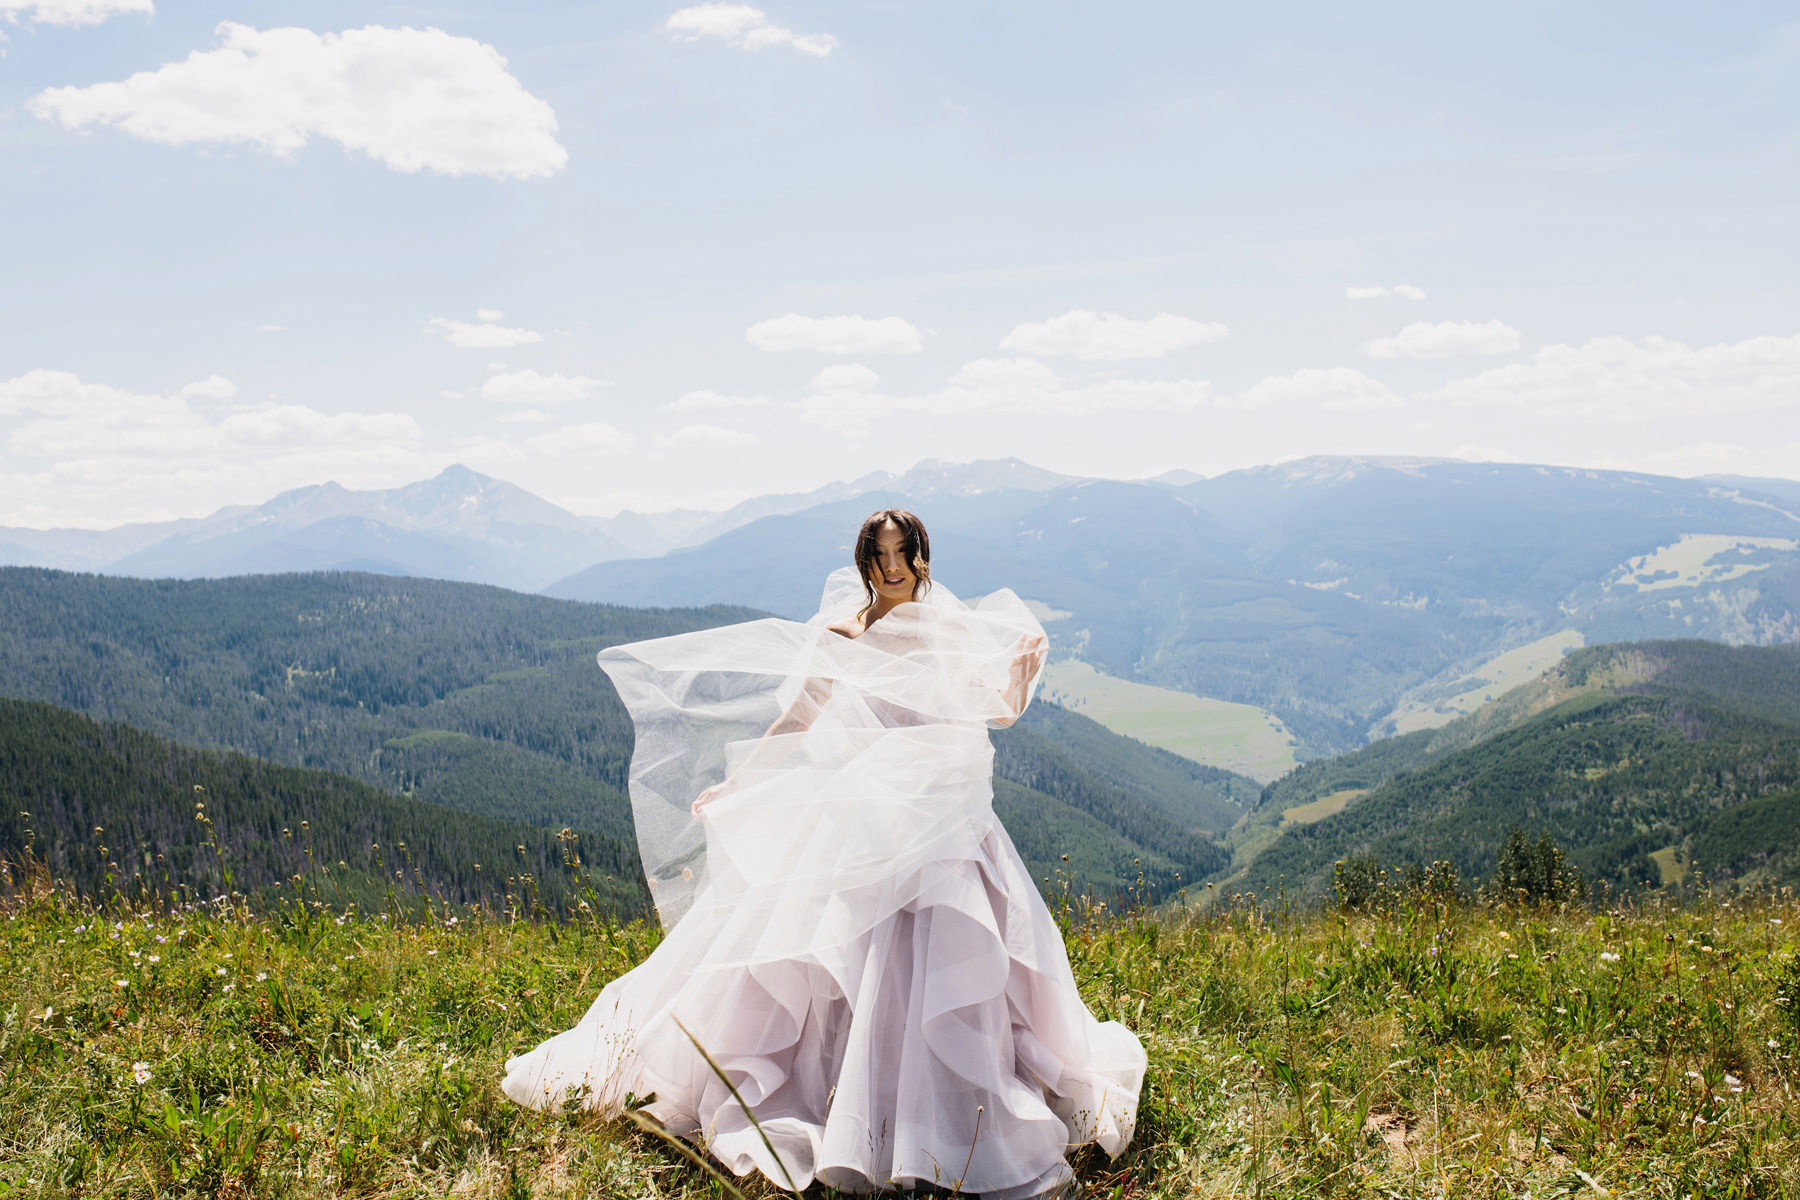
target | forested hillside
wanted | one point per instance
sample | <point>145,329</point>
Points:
<point>1645,760</point>
<point>110,807</point>
<point>488,702</point>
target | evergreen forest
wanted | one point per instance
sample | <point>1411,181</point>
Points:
<point>469,701</point>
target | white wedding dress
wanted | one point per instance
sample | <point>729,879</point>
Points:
<point>851,934</point>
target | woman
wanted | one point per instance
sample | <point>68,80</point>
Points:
<point>852,937</point>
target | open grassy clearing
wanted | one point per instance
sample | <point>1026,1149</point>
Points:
<point>1668,862</point>
<point>1424,1050</point>
<point>1697,558</point>
<point>1218,733</point>
<point>1324,806</point>
<point>1438,704</point>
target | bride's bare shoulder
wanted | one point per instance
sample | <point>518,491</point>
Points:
<point>849,627</point>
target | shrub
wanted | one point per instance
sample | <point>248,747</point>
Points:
<point>1530,872</point>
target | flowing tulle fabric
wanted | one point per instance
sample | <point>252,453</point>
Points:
<point>851,935</point>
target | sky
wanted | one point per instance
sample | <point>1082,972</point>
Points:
<point>649,256</point>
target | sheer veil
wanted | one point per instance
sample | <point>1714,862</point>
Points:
<point>903,710</point>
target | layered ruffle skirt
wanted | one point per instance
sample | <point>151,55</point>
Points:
<point>888,1021</point>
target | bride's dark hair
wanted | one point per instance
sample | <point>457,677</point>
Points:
<point>915,542</point>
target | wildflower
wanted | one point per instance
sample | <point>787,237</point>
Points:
<point>220,971</point>
<point>1506,935</point>
<point>140,1071</point>
<point>1774,920</point>
<point>1773,1044</point>
<point>1608,956</point>
<point>450,1062</point>
<point>50,1011</point>
<point>261,975</point>
<point>134,954</point>
<point>1562,1012</point>
<point>1731,1080</point>
<point>230,987</point>
<point>1506,1037</point>
<point>451,921</point>
<point>154,958</point>
<point>431,953</point>
<point>160,939</point>
<point>121,983</point>
<point>1693,1074</point>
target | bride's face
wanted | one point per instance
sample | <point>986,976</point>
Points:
<point>892,575</point>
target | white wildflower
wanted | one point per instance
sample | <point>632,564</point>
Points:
<point>140,1071</point>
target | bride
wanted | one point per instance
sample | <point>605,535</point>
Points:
<point>852,937</point>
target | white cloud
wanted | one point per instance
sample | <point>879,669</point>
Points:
<point>846,402</point>
<point>839,377</point>
<point>707,401</point>
<point>71,12</point>
<point>836,335</point>
<point>289,425</point>
<point>588,438</point>
<point>215,387</point>
<point>486,336</point>
<point>269,327</point>
<point>1445,339</point>
<point>416,99</point>
<point>1109,336</point>
<point>523,416</point>
<point>450,394</point>
<point>706,437</point>
<point>1334,389</point>
<point>534,387</point>
<point>1651,377</point>
<point>745,27</point>
<point>105,450</point>
<point>1404,291</point>
<point>489,314</point>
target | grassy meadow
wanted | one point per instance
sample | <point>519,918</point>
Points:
<point>1423,1049</point>
<point>1237,737</point>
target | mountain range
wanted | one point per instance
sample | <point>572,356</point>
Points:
<point>1648,761</point>
<point>1347,598</point>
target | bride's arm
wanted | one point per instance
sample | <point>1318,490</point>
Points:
<point>1028,660</point>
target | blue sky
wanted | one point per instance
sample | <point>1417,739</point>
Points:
<point>252,245</point>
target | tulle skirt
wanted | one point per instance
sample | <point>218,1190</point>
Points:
<point>890,1022</point>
